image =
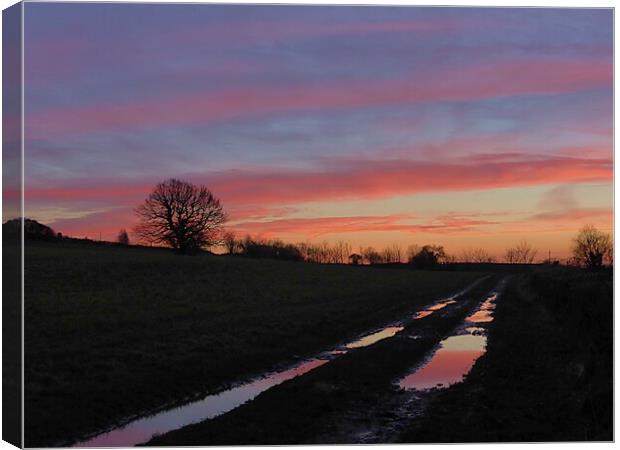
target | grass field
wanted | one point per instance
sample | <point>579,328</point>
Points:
<point>111,331</point>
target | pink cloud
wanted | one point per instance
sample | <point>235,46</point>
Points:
<point>475,82</point>
<point>342,180</point>
<point>379,179</point>
<point>125,193</point>
<point>106,224</point>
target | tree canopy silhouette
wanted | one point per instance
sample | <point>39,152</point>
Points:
<point>181,215</point>
<point>123,237</point>
<point>592,247</point>
<point>428,257</point>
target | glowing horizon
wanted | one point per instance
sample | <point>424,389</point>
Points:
<point>465,127</point>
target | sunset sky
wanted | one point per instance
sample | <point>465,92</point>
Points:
<point>467,127</point>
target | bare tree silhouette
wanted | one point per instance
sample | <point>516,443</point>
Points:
<point>181,215</point>
<point>392,254</point>
<point>475,255</point>
<point>372,256</point>
<point>230,242</point>
<point>522,253</point>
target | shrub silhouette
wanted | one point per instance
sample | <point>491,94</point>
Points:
<point>123,237</point>
<point>429,256</point>
<point>32,229</point>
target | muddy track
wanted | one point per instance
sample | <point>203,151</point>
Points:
<point>143,427</point>
<point>352,399</point>
<point>397,409</point>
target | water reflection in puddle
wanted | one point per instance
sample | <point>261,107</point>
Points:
<point>431,309</point>
<point>449,364</point>
<point>390,331</point>
<point>485,312</point>
<point>456,354</point>
<point>141,430</point>
<point>375,337</point>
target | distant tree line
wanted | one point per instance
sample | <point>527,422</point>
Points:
<point>323,252</point>
<point>338,253</point>
<point>591,248</point>
<point>189,218</point>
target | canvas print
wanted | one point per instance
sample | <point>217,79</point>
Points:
<point>230,224</point>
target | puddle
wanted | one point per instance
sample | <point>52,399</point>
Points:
<point>375,337</point>
<point>455,355</point>
<point>485,312</point>
<point>392,330</point>
<point>141,430</point>
<point>431,309</point>
<point>449,364</point>
<point>441,305</point>
<point>422,314</point>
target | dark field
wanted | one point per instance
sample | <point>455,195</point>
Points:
<point>546,376</point>
<point>112,332</point>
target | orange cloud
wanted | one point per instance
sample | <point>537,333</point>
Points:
<point>314,227</point>
<point>323,226</point>
<point>559,221</point>
<point>450,224</point>
<point>574,216</point>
